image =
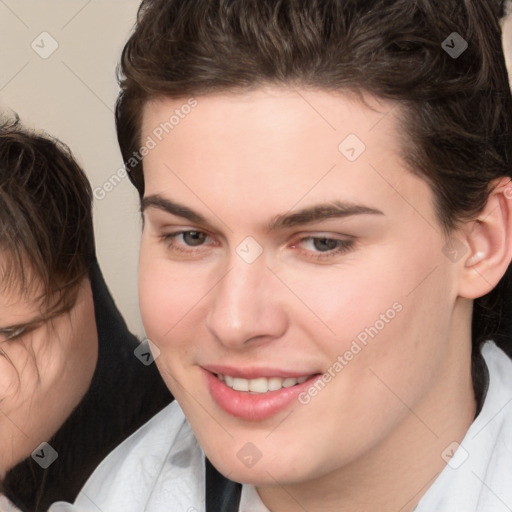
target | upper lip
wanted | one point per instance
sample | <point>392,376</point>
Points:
<point>255,373</point>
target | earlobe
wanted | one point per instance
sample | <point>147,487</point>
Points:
<point>489,238</point>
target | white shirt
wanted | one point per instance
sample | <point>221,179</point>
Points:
<point>6,505</point>
<point>160,468</point>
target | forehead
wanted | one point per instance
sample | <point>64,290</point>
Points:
<point>278,146</point>
<point>21,291</point>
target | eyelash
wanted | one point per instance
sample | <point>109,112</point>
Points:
<point>343,247</point>
<point>12,333</point>
<point>169,238</point>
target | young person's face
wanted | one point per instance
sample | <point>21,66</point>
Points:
<point>267,253</point>
<point>45,370</point>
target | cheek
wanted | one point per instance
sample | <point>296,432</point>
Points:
<point>9,379</point>
<point>401,335</point>
<point>387,301</point>
<point>168,296</point>
<point>345,298</point>
<point>20,374</point>
<point>27,402</point>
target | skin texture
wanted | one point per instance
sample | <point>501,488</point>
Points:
<point>241,161</point>
<point>44,373</point>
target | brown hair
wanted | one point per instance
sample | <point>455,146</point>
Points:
<point>456,109</point>
<point>46,231</point>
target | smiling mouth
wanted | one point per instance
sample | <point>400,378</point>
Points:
<point>261,384</point>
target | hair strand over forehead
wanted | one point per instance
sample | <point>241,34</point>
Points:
<point>46,232</point>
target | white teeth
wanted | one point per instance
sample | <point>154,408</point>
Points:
<point>258,385</point>
<point>261,384</point>
<point>240,384</point>
<point>288,383</point>
<point>275,383</point>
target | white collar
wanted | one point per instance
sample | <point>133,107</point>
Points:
<point>478,478</point>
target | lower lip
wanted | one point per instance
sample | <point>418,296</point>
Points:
<point>257,406</point>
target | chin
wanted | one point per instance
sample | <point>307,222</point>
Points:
<point>256,472</point>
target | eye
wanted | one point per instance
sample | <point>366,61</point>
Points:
<point>187,238</point>
<point>193,238</point>
<point>325,244</point>
<point>10,333</point>
<point>188,243</point>
<point>323,247</point>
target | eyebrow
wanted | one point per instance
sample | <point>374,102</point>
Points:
<point>13,331</point>
<point>335,209</point>
<point>161,203</point>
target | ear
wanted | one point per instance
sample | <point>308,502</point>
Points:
<point>489,238</point>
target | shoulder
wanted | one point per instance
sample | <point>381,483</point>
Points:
<point>478,469</point>
<point>126,479</point>
<point>159,432</point>
<point>495,419</point>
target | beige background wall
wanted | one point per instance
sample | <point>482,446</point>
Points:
<point>71,93</point>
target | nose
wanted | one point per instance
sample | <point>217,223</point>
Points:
<point>246,305</point>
